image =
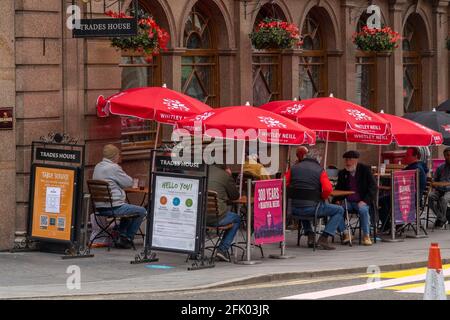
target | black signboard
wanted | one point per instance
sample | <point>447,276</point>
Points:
<point>108,27</point>
<point>59,155</point>
<point>167,162</point>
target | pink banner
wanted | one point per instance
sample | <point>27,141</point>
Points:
<point>268,212</point>
<point>405,195</point>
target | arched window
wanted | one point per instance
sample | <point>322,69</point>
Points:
<point>365,74</point>
<point>412,73</point>
<point>312,71</point>
<point>266,64</point>
<point>138,135</point>
<point>199,78</point>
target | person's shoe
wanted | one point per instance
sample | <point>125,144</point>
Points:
<point>438,224</point>
<point>346,238</point>
<point>124,243</point>
<point>311,239</point>
<point>222,256</point>
<point>323,243</point>
<point>366,240</point>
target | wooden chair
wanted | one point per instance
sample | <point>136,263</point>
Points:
<point>101,193</point>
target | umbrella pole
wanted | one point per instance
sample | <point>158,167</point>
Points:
<point>326,151</point>
<point>242,170</point>
<point>379,175</point>
<point>288,164</point>
<point>156,145</point>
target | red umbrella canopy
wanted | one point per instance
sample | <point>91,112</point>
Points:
<point>408,133</point>
<point>151,103</point>
<point>248,123</point>
<point>343,120</point>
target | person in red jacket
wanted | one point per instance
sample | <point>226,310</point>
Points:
<point>300,153</point>
<point>309,187</point>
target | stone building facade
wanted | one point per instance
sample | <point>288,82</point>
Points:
<point>52,80</point>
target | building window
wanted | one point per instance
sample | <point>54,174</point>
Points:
<point>199,78</point>
<point>411,70</point>
<point>365,74</point>
<point>266,64</point>
<point>138,135</point>
<point>312,71</point>
<point>266,77</point>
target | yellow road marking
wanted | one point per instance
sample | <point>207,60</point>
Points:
<point>402,273</point>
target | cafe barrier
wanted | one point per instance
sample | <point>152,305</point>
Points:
<point>405,199</point>
<point>57,214</point>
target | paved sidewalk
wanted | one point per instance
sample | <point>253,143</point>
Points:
<point>37,274</point>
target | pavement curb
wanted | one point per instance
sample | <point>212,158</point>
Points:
<point>254,279</point>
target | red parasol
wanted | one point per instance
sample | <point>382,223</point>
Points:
<point>408,133</point>
<point>151,103</point>
<point>338,119</point>
<point>249,123</point>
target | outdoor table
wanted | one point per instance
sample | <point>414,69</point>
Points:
<point>345,193</point>
<point>437,184</point>
<point>144,192</point>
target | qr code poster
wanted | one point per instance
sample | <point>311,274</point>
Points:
<point>61,224</point>
<point>44,222</point>
<point>52,202</point>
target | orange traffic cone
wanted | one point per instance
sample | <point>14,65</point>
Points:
<point>435,285</point>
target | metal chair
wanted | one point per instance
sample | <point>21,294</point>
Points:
<point>101,193</point>
<point>424,206</point>
<point>315,220</point>
<point>214,233</point>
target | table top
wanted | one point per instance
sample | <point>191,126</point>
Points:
<point>241,200</point>
<point>136,190</point>
<point>440,183</point>
<point>382,175</point>
<point>341,193</point>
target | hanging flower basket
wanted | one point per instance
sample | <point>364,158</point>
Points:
<point>149,42</point>
<point>376,40</point>
<point>275,34</point>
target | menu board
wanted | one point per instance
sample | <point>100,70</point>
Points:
<point>175,213</point>
<point>52,202</point>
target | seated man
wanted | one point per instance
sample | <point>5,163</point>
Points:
<point>109,170</point>
<point>254,168</point>
<point>221,181</point>
<point>309,186</point>
<point>300,153</point>
<point>358,177</point>
<point>412,159</point>
<point>440,197</point>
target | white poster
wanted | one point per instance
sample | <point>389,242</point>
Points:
<point>53,200</point>
<point>175,213</point>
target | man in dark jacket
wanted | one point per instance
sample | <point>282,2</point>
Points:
<point>309,186</point>
<point>221,181</point>
<point>440,197</point>
<point>412,159</point>
<point>358,178</point>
